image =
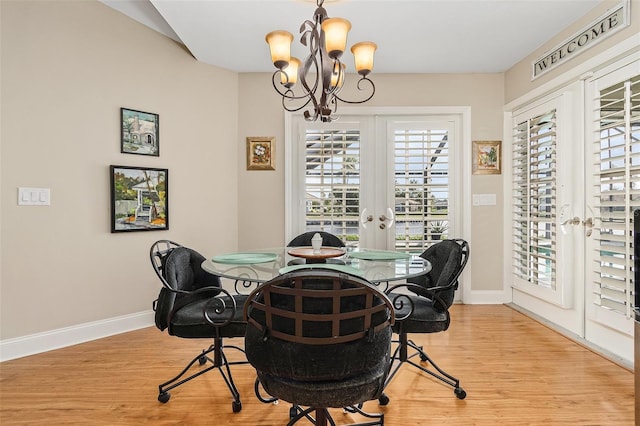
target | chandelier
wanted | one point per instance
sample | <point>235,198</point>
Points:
<point>322,74</point>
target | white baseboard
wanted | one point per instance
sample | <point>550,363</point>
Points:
<point>605,353</point>
<point>68,336</point>
<point>487,297</point>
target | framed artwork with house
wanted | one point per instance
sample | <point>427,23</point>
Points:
<point>139,199</point>
<point>140,132</point>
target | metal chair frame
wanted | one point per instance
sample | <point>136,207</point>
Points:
<point>158,254</point>
<point>401,352</point>
<point>291,285</point>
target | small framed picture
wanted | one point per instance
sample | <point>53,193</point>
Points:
<point>487,158</point>
<point>261,153</point>
<point>140,132</point>
<point>139,199</point>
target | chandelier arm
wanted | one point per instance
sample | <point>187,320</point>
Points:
<point>310,60</point>
<point>373,92</point>
<point>288,94</point>
<point>313,37</point>
<point>284,98</point>
<point>306,29</point>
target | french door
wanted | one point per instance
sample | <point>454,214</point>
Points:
<point>613,193</point>
<point>575,183</point>
<point>384,182</point>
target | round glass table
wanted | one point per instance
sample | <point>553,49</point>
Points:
<point>259,266</point>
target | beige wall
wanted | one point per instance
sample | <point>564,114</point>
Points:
<point>518,78</point>
<point>261,193</point>
<point>67,68</point>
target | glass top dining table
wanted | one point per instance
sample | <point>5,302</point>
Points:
<point>262,265</point>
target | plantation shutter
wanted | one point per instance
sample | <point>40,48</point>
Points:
<point>616,172</point>
<point>534,200</point>
<point>421,176</point>
<point>332,182</point>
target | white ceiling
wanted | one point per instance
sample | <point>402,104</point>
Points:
<point>413,36</point>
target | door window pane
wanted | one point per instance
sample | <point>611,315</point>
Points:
<point>332,182</point>
<point>617,160</point>
<point>421,181</point>
<point>534,200</point>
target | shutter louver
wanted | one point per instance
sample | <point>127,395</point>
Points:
<point>421,180</point>
<point>534,200</point>
<point>332,182</point>
<point>617,193</point>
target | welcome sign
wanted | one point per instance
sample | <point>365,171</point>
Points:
<point>604,27</point>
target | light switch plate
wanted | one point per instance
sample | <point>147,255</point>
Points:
<point>34,196</point>
<point>484,199</point>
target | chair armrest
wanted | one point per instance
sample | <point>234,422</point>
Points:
<point>224,306</point>
<point>400,299</point>
<point>189,297</point>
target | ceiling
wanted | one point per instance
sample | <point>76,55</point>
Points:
<point>413,36</point>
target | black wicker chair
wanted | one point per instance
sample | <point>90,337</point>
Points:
<point>425,308</point>
<point>304,239</point>
<point>193,305</point>
<point>319,339</point>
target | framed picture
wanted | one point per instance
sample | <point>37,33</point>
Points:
<point>140,132</point>
<point>261,153</point>
<point>139,199</point>
<point>487,158</point>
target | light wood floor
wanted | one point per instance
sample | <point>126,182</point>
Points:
<point>515,371</point>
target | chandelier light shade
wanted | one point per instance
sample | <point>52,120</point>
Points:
<point>363,54</point>
<point>335,36</point>
<point>316,82</point>
<point>289,76</point>
<point>280,46</point>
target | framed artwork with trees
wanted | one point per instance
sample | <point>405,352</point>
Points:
<point>139,199</point>
<point>487,157</point>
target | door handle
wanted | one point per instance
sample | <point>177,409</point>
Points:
<point>386,219</point>
<point>588,225</point>
<point>365,218</point>
<point>572,221</point>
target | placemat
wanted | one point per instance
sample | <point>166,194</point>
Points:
<point>333,266</point>
<point>245,258</point>
<point>379,255</point>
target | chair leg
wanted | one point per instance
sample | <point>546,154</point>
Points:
<point>401,355</point>
<point>219,362</point>
<point>323,418</point>
<point>293,410</point>
<point>378,416</point>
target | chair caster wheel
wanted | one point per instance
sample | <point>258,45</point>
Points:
<point>293,412</point>
<point>460,393</point>
<point>202,360</point>
<point>164,397</point>
<point>383,399</point>
<point>236,406</point>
